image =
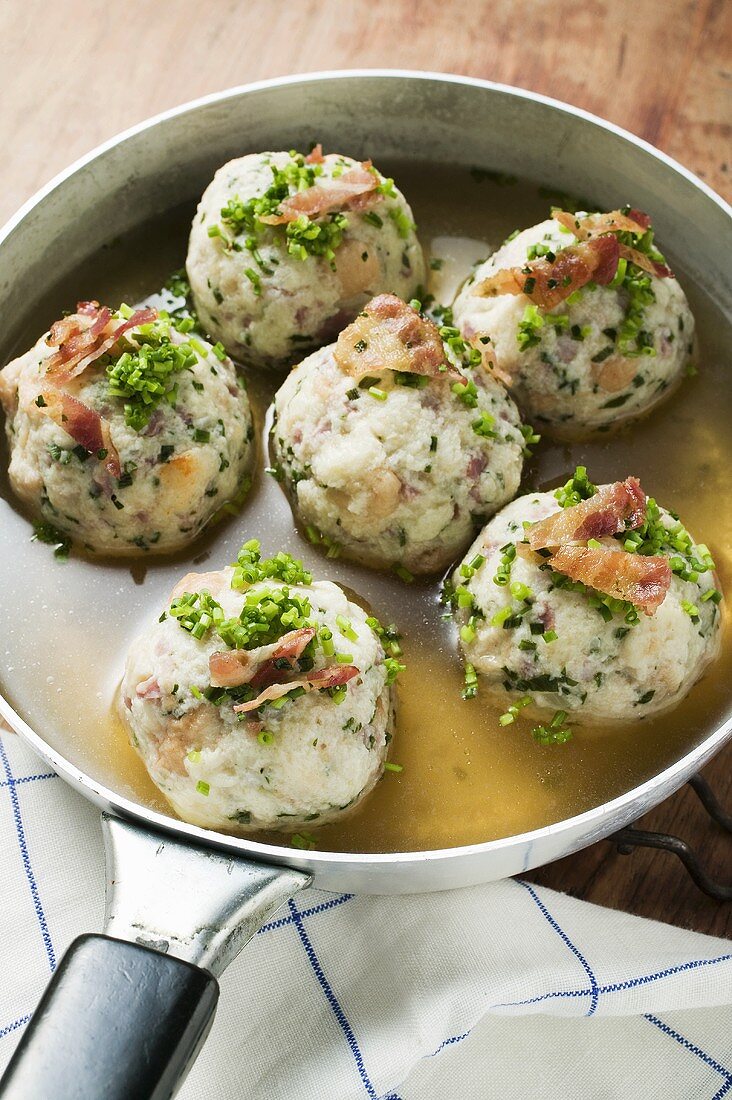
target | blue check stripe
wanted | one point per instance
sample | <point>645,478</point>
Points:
<point>694,1049</point>
<point>25,856</point>
<point>594,991</point>
<point>333,1002</point>
<point>324,906</point>
<point>617,987</point>
<point>27,779</point>
<point>450,1042</point>
<point>10,1028</point>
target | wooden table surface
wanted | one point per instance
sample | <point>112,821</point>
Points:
<point>75,73</point>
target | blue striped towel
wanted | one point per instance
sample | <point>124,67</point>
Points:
<point>499,991</point>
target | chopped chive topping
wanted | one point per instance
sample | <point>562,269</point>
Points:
<point>346,629</point>
<point>470,690</point>
<point>303,840</point>
<point>303,237</point>
<point>388,635</point>
<point>250,567</point>
<point>503,572</point>
<point>144,374</point>
<point>555,733</point>
<point>46,532</point>
<point>467,392</point>
<point>513,711</point>
<point>254,279</point>
<point>578,488</point>
<point>202,787</point>
<point>529,328</point>
<point>389,767</point>
<point>484,426</point>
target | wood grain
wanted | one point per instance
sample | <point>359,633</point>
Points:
<point>74,73</point>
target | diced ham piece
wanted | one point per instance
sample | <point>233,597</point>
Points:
<point>390,335</point>
<point>548,282</point>
<point>83,424</point>
<point>333,676</point>
<point>85,336</point>
<point>613,508</point>
<point>234,667</point>
<point>354,189</point>
<point>642,580</point>
<point>594,225</point>
<point>149,689</point>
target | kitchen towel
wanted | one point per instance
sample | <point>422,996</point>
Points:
<point>500,991</point>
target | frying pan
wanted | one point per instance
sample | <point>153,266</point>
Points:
<point>126,1013</point>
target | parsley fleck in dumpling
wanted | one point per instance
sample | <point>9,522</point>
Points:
<point>125,434</point>
<point>394,443</point>
<point>583,318</point>
<point>261,699</point>
<point>285,249</point>
<point>590,602</point>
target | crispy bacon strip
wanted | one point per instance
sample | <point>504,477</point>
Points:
<point>80,343</point>
<point>644,581</point>
<point>234,667</point>
<point>613,508</point>
<point>75,335</point>
<point>661,271</point>
<point>292,645</point>
<point>641,219</point>
<point>89,308</point>
<point>547,283</point>
<point>83,424</point>
<point>314,681</point>
<point>347,191</point>
<point>389,334</point>
<point>593,225</point>
<point>315,156</point>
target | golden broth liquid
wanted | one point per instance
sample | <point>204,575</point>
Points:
<point>465,778</point>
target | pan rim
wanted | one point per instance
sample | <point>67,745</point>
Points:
<point>611,812</point>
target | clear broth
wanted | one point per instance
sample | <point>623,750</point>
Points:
<point>465,779</point>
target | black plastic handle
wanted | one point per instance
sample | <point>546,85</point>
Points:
<point>118,1021</point>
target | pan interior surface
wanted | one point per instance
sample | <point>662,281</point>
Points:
<point>465,779</point>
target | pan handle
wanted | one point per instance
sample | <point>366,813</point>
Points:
<point>125,1015</point>
<point>117,1021</point>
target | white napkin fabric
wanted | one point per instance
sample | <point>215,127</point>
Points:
<point>499,991</point>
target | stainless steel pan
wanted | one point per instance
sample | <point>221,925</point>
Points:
<point>124,1016</point>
